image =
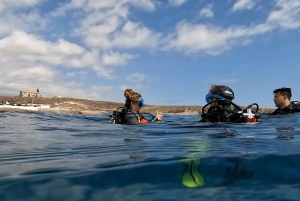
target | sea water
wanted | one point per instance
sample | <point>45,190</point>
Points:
<point>64,157</point>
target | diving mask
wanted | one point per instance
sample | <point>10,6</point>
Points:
<point>141,102</point>
<point>210,96</point>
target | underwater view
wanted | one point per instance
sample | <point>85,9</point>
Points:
<point>64,157</point>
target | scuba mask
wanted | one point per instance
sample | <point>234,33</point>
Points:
<point>141,102</point>
<point>210,96</point>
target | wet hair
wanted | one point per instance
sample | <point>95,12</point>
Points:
<point>219,89</point>
<point>284,91</point>
<point>131,96</point>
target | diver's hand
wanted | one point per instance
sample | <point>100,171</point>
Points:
<point>159,116</point>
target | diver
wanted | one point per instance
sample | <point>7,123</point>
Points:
<point>130,113</point>
<point>282,97</point>
<point>222,109</point>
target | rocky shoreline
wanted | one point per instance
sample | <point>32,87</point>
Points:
<point>85,106</point>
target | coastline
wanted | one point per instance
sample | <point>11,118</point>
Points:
<point>92,107</point>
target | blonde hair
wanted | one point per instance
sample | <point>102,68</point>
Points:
<point>131,96</point>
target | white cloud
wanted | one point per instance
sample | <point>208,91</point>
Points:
<point>207,12</point>
<point>134,87</point>
<point>22,51</point>
<point>114,32</point>
<point>95,4</point>
<point>31,21</point>
<point>214,40</point>
<point>108,31</point>
<point>136,77</point>
<point>72,74</point>
<point>177,2</point>
<point>73,84</point>
<point>133,35</point>
<point>34,74</point>
<point>81,74</point>
<point>14,16</point>
<point>92,5</point>
<point>287,16</point>
<point>21,3</point>
<point>49,81</point>
<point>7,4</point>
<point>123,87</point>
<point>105,24</point>
<point>200,37</point>
<point>28,61</point>
<point>116,58</point>
<point>28,47</point>
<point>243,4</point>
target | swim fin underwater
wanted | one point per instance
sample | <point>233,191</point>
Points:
<point>191,177</point>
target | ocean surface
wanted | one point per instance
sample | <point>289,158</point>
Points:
<point>63,157</point>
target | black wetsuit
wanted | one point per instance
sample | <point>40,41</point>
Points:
<point>128,116</point>
<point>291,108</point>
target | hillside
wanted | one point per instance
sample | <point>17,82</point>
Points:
<point>84,106</point>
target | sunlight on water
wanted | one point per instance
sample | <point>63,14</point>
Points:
<point>82,157</point>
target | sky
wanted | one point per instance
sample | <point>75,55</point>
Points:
<point>171,51</point>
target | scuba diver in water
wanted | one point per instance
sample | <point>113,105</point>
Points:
<point>282,97</point>
<point>222,109</point>
<point>130,113</point>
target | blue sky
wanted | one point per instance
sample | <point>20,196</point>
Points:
<point>170,51</point>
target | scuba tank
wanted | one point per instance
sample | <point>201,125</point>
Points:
<point>249,117</point>
<point>115,116</point>
<point>296,104</point>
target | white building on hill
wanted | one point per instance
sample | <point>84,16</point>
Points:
<point>30,93</point>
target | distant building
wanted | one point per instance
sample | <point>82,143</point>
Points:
<point>30,93</point>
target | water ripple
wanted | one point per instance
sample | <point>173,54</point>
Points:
<point>84,157</point>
